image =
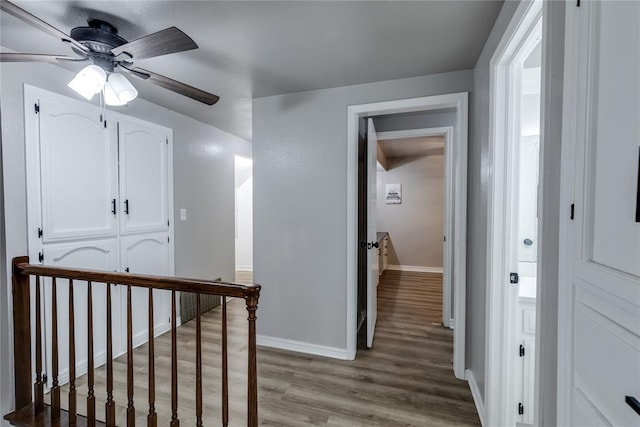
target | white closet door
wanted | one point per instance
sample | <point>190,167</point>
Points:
<point>143,152</point>
<point>79,181</point>
<point>95,255</point>
<point>146,254</point>
<point>600,310</point>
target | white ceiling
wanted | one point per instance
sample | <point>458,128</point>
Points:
<point>251,49</point>
<point>412,147</point>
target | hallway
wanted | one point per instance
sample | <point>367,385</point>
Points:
<point>405,380</point>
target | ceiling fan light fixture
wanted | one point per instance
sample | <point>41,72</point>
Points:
<point>121,88</point>
<point>89,81</point>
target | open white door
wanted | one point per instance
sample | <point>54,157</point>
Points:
<point>372,230</point>
<point>599,304</point>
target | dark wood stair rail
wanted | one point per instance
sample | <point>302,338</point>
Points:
<point>30,407</point>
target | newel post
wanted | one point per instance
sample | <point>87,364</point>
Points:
<point>21,333</point>
<point>252,373</point>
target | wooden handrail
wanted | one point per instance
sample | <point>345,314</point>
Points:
<point>30,412</point>
<point>236,290</point>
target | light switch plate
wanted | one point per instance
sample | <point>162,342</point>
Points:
<point>183,214</point>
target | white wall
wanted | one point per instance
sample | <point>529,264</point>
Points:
<point>203,184</point>
<point>244,213</point>
<point>300,203</point>
<point>478,181</point>
<point>418,120</point>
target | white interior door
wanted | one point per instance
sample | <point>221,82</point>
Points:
<point>78,172</point>
<point>602,331</point>
<point>372,230</point>
<point>143,152</point>
<point>146,254</point>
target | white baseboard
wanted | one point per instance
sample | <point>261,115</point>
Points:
<point>303,347</point>
<point>417,268</point>
<point>244,268</point>
<point>475,392</point>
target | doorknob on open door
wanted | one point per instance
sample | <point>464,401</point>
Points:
<point>376,244</point>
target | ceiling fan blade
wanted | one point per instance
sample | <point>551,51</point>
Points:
<point>174,85</point>
<point>36,57</point>
<point>170,40</point>
<point>38,23</point>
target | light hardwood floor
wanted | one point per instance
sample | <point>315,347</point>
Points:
<point>406,379</point>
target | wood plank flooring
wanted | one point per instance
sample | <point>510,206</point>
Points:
<point>406,379</point>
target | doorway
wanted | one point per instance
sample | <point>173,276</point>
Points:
<point>513,222</point>
<point>459,103</point>
<point>423,159</point>
<point>243,219</point>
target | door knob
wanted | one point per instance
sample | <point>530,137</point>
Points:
<point>376,244</point>
<point>528,242</point>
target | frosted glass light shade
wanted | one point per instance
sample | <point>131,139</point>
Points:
<point>110,97</point>
<point>122,89</point>
<point>89,81</point>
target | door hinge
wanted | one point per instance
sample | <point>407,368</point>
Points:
<point>520,408</point>
<point>514,278</point>
<point>521,352</point>
<point>45,378</point>
<point>39,233</point>
<point>167,223</point>
<point>573,210</point>
<point>578,3</point>
<point>105,124</point>
<point>168,239</point>
<point>100,117</point>
<point>445,238</point>
<point>41,256</point>
<point>36,108</point>
<point>166,141</point>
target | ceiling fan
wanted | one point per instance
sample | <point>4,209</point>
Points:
<point>100,44</point>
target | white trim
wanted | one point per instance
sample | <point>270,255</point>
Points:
<point>244,268</point>
<point>303,347</point>
<point>452,323</point>
<point>498,397</point>
<point>577,26</point>
<point>477,397</point>
<point>459,101</point>
<point>416,268</point>
<point>449,143</point>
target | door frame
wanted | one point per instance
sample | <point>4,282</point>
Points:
<point>447,273</point>
<point>460,102</point>
<point>499,336</point>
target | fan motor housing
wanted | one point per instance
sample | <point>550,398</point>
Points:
<point>100,36</point>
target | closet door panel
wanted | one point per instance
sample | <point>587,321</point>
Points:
<point>95,255</point>
<point>147,254</point>
<point>79,176</point>
<point>143,177</point>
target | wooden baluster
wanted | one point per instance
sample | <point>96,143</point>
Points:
<point>174,365</point>
<point>152,418</point>
<point>225,368</point>
<point>198,364</point>
<point>21,290</point>
<point>55,389</point>
<point>131,410</point>
<point>38,387</point>
<point>72,359</point>
<point>91,397</point>
<point>110,406</point>
<point>252,372</point>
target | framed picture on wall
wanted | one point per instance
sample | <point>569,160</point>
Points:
<point>393,194</point>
